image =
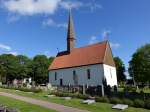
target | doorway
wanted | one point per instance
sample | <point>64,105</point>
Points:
<point>61,82</point>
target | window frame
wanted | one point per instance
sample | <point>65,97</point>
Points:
<point>74,75</point>
<point>55,76</point>
<point>88,74</point>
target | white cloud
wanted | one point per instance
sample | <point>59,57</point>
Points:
<point>51,23</point>
<point>48,22</point>
<point>47,53</point>
<point>62,25</point>
<point>71,5</point>
<point>93,6</point>
<point>5,47</point>
<point>13,53</point>
<point>93,39</point>
<point>105,34</point>
<point>76,5</point>
<point>31,7</point>
<point>114,45</point>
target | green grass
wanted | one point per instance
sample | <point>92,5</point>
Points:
<point>97,107</point>
<point>22,106</point>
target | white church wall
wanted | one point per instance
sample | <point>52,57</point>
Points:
<point>110,75</point>
<point>96,74</point>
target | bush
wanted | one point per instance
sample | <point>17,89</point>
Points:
<point>60,94</point>
<point>75,95</point>
<point>128,102</point>
<point>138,103</point>
<point>147,103</point>
<point>81,96</point>
<point>115,100</point>
<point>35,90</point>
<point>102,99</point>
<point>130,89</point>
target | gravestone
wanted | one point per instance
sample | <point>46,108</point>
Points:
<point>120,107</point>
<point>88,101</point>
<point>66,98</point>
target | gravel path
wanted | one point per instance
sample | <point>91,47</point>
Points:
<point>54,106</point>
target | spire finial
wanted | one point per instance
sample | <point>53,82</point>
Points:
<point>70,26</point>
<point>70,34</point>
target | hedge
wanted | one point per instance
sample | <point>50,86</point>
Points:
<point>35,90</point>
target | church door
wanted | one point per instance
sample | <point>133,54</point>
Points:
<point>61,82</point>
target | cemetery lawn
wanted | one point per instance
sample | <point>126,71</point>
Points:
<point>21,106</point>
<point>138,91</point>
<point>96,107</point>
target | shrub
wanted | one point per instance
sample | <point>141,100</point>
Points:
<point>73,95</point>
<point>60,94</point>
<point>81,96</point>
<point>102,99</point>
<point>35,90</point>
<point>147,103</point>
<point>138,103</point>
<point>115,100</point>
<point>130,89</point>
<point>128,102</point>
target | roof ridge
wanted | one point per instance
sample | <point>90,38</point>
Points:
<point>93,44</point>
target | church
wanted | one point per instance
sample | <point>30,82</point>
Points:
<point>88,65</point>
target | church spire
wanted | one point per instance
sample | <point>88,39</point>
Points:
<point>70,34</point>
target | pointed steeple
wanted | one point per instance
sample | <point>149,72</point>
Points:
<point>70,34</point>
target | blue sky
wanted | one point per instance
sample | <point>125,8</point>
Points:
<point>32,27</point>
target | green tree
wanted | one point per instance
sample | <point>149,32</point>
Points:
<point>8,63</point>
<point>120,69</point>
<point>2,72</point>
<point>19,67</point>
<point>40,68</point>
<point>24,69</point>
<point>139,66</point>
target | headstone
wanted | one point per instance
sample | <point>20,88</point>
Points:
<point>49,96</point>
<point>49,86</point>
<point>33,83</point>
<point>120,107</point>
<point>66,98</point>
<point>0,83</point>
<point>15,82</point>
<point>29,86</point>
<point>30,80</point>
<point>88,101</point>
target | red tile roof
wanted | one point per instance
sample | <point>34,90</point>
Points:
<point>92,54</point>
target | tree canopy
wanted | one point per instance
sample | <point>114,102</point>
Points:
<point>40,68</point>
<point>19,67</point>
<point>120,69</point>
<point>139,66</point>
